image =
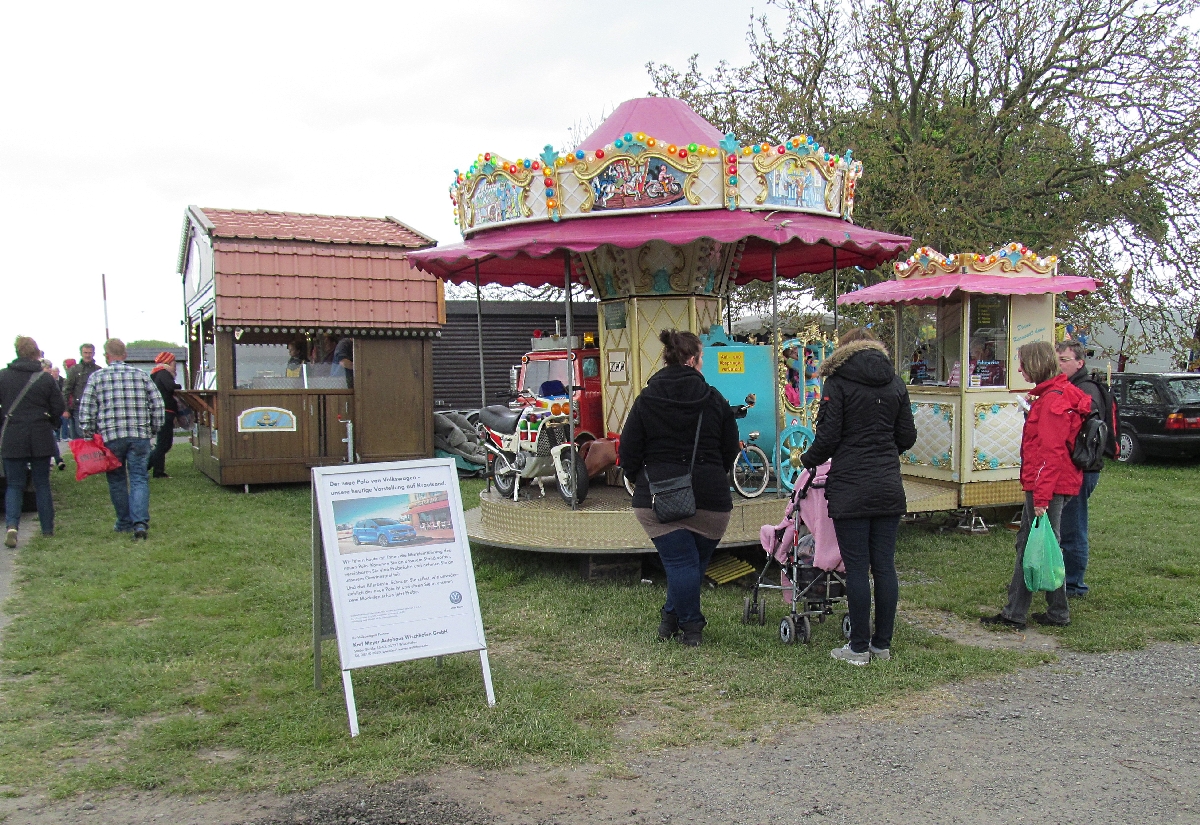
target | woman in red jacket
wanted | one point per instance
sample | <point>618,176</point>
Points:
<point>1048,475</point>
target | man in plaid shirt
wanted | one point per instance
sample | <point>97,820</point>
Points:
<point>124,406</point>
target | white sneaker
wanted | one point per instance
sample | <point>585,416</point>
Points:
<point>883,654</point>
<point>10,538</point>
<point>845,654</point>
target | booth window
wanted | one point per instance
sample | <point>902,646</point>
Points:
<point>591,367</point>
<point>263,367</point>
<point>988,341</point>
<point>206,373</point>
<point>931,344</point>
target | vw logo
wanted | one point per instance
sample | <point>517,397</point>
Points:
<point>455,597</point>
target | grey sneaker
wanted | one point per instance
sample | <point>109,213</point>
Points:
<point>845,654</point>
<point>10,538</point>
<point>883,654</point>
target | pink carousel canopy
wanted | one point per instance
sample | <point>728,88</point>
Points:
<point>532,254</point>
<point>930,289</point>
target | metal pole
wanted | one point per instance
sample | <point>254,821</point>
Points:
<point>479,336</point>
<point>835,296</point>
<point>778,451</point>
<point>104,295</point>
<point>570,379</point>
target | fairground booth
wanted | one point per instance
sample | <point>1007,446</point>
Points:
<point>309,338</point>
<point>660,214</point>
<point>959,322</point>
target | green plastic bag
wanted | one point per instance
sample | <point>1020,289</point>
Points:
<point>1043,561</point>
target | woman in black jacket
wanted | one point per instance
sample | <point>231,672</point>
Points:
<point>27,441</point>
<point>864,423</point>
<point>657,444</point>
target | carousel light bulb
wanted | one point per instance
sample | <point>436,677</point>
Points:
<point>599,154</point>
<point>590,158</point>
<point>641,136</point>
<point>618,143</point>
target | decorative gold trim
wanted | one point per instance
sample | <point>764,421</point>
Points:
<point>1003,258</point>
<point>764,164</point>
<point>979,407</point>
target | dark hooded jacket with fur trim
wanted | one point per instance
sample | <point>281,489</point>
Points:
<point>661,428</point>
<point>864,423</point>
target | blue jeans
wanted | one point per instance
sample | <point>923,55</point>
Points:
<point>685,556</point>
<point>868,545</point>
<point>128,486</point>
<point>17,470</point>
<point>1075,535</point>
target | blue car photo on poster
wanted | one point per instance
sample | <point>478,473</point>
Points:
<point>383,531</point>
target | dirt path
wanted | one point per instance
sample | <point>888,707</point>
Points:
<point>1109,738</point>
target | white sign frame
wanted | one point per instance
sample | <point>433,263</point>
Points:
<point>393,615</point>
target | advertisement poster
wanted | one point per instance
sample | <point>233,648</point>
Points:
<point>399,563</point>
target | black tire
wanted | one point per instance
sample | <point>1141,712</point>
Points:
<point>746,611</point>
<point>751,471</point>
<point>357,543</point>
<point>803,630</point>
<point>382,540</point>
<point>579,477</point>
<point>505,481</point>
<point>846,626</point>
<point>762,612</point>
<point>1131,448</point>
<point>788,630</point>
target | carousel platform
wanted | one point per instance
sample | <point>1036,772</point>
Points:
<point>605,523</point>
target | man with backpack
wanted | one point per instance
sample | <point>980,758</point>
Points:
<point>1072,360</point>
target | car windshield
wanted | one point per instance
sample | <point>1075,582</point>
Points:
<point>1187,390</point>
<point>386,522</point>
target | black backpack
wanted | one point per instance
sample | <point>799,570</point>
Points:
<point>1090,444</point>
<point>1090,441</point>
<point>1112,445</point>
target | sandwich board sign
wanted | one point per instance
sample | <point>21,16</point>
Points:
<point>399,568</point>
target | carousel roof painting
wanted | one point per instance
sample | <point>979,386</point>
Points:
<point>303,270</point>
<point>657,172</point>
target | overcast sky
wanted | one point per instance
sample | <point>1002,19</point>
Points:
<point>119,116</point>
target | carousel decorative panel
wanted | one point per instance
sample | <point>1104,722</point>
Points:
<point>996,436</point>
<point>935,435</point>
<point>655,315</point>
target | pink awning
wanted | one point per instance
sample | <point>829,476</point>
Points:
<point>532,253</point>
<point>918,290</point>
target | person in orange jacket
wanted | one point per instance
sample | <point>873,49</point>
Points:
<point>1048,475</point>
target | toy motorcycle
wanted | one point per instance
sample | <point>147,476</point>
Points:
<point>532,443</point>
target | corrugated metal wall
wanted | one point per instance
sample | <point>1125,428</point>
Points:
<point>507,328</point>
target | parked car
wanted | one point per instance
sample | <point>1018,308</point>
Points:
<point>383,531</point>
<point>1160,414</point>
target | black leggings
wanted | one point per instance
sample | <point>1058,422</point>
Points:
<point>869,545</point>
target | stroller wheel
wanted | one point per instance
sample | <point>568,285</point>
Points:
<point>762,612</point>
<point>787,630</point>
<point>846,626</point>
<point>746,611</point>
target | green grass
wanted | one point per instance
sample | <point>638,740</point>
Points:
<point>185,662</point>
<point>1143,570</point>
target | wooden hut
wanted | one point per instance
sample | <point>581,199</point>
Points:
<point>309,341</point>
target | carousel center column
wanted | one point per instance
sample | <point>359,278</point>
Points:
<point>643,291</point>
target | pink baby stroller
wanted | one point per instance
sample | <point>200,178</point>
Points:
<point>812,576</point>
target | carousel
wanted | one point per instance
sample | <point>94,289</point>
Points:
<point>660,215</point>
<point>959,320</point>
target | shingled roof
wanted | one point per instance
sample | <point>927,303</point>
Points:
<point>298,226</point>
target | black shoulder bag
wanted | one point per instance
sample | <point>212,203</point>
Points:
<point>672,498</point>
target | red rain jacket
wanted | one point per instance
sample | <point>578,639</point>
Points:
<point>1051,425</point>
